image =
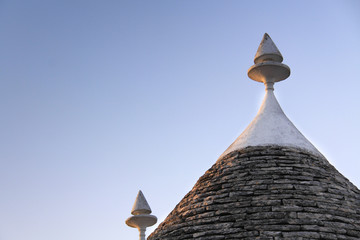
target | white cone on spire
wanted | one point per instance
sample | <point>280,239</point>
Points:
<point>268,67</point>
<point>267,51</point>
<point>142,218</point>
<point>141,206</point>
<point>270,126</point>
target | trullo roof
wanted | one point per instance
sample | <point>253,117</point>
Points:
<point>271,183</point>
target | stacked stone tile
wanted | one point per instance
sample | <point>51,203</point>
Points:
<point>271,183</point>
<point>267,192</point>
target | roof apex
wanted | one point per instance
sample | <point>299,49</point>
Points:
<point>271,127</point>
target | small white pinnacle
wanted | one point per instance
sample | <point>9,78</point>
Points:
<point>270,127</point>
<point>141,206</point>
<point>267,51</point>
<point>142,218</point>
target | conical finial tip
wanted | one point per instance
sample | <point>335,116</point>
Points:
<point>267,51</point>
<point>141,206</point>
<point>268,67</point>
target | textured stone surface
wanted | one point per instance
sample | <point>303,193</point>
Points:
<point>267,193</point>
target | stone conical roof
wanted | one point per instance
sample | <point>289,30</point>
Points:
<point>271,183</point>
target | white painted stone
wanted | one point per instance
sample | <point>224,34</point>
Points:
<point>142,218</point>
<point>140,206</point>
<point>268,67</point>
<point>267,51</point>
<point>141,222</point>
<point>270,126</point>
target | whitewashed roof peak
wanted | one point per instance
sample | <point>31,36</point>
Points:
<point>270,126</point>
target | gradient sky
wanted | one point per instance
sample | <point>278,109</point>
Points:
<point>99,99</point>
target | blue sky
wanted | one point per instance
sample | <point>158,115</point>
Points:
<point>99,99</point>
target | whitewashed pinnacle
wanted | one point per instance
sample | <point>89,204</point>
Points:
<point>142,218</point>
<point>270,126</point>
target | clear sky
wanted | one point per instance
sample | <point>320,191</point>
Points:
<point>99,99</point>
